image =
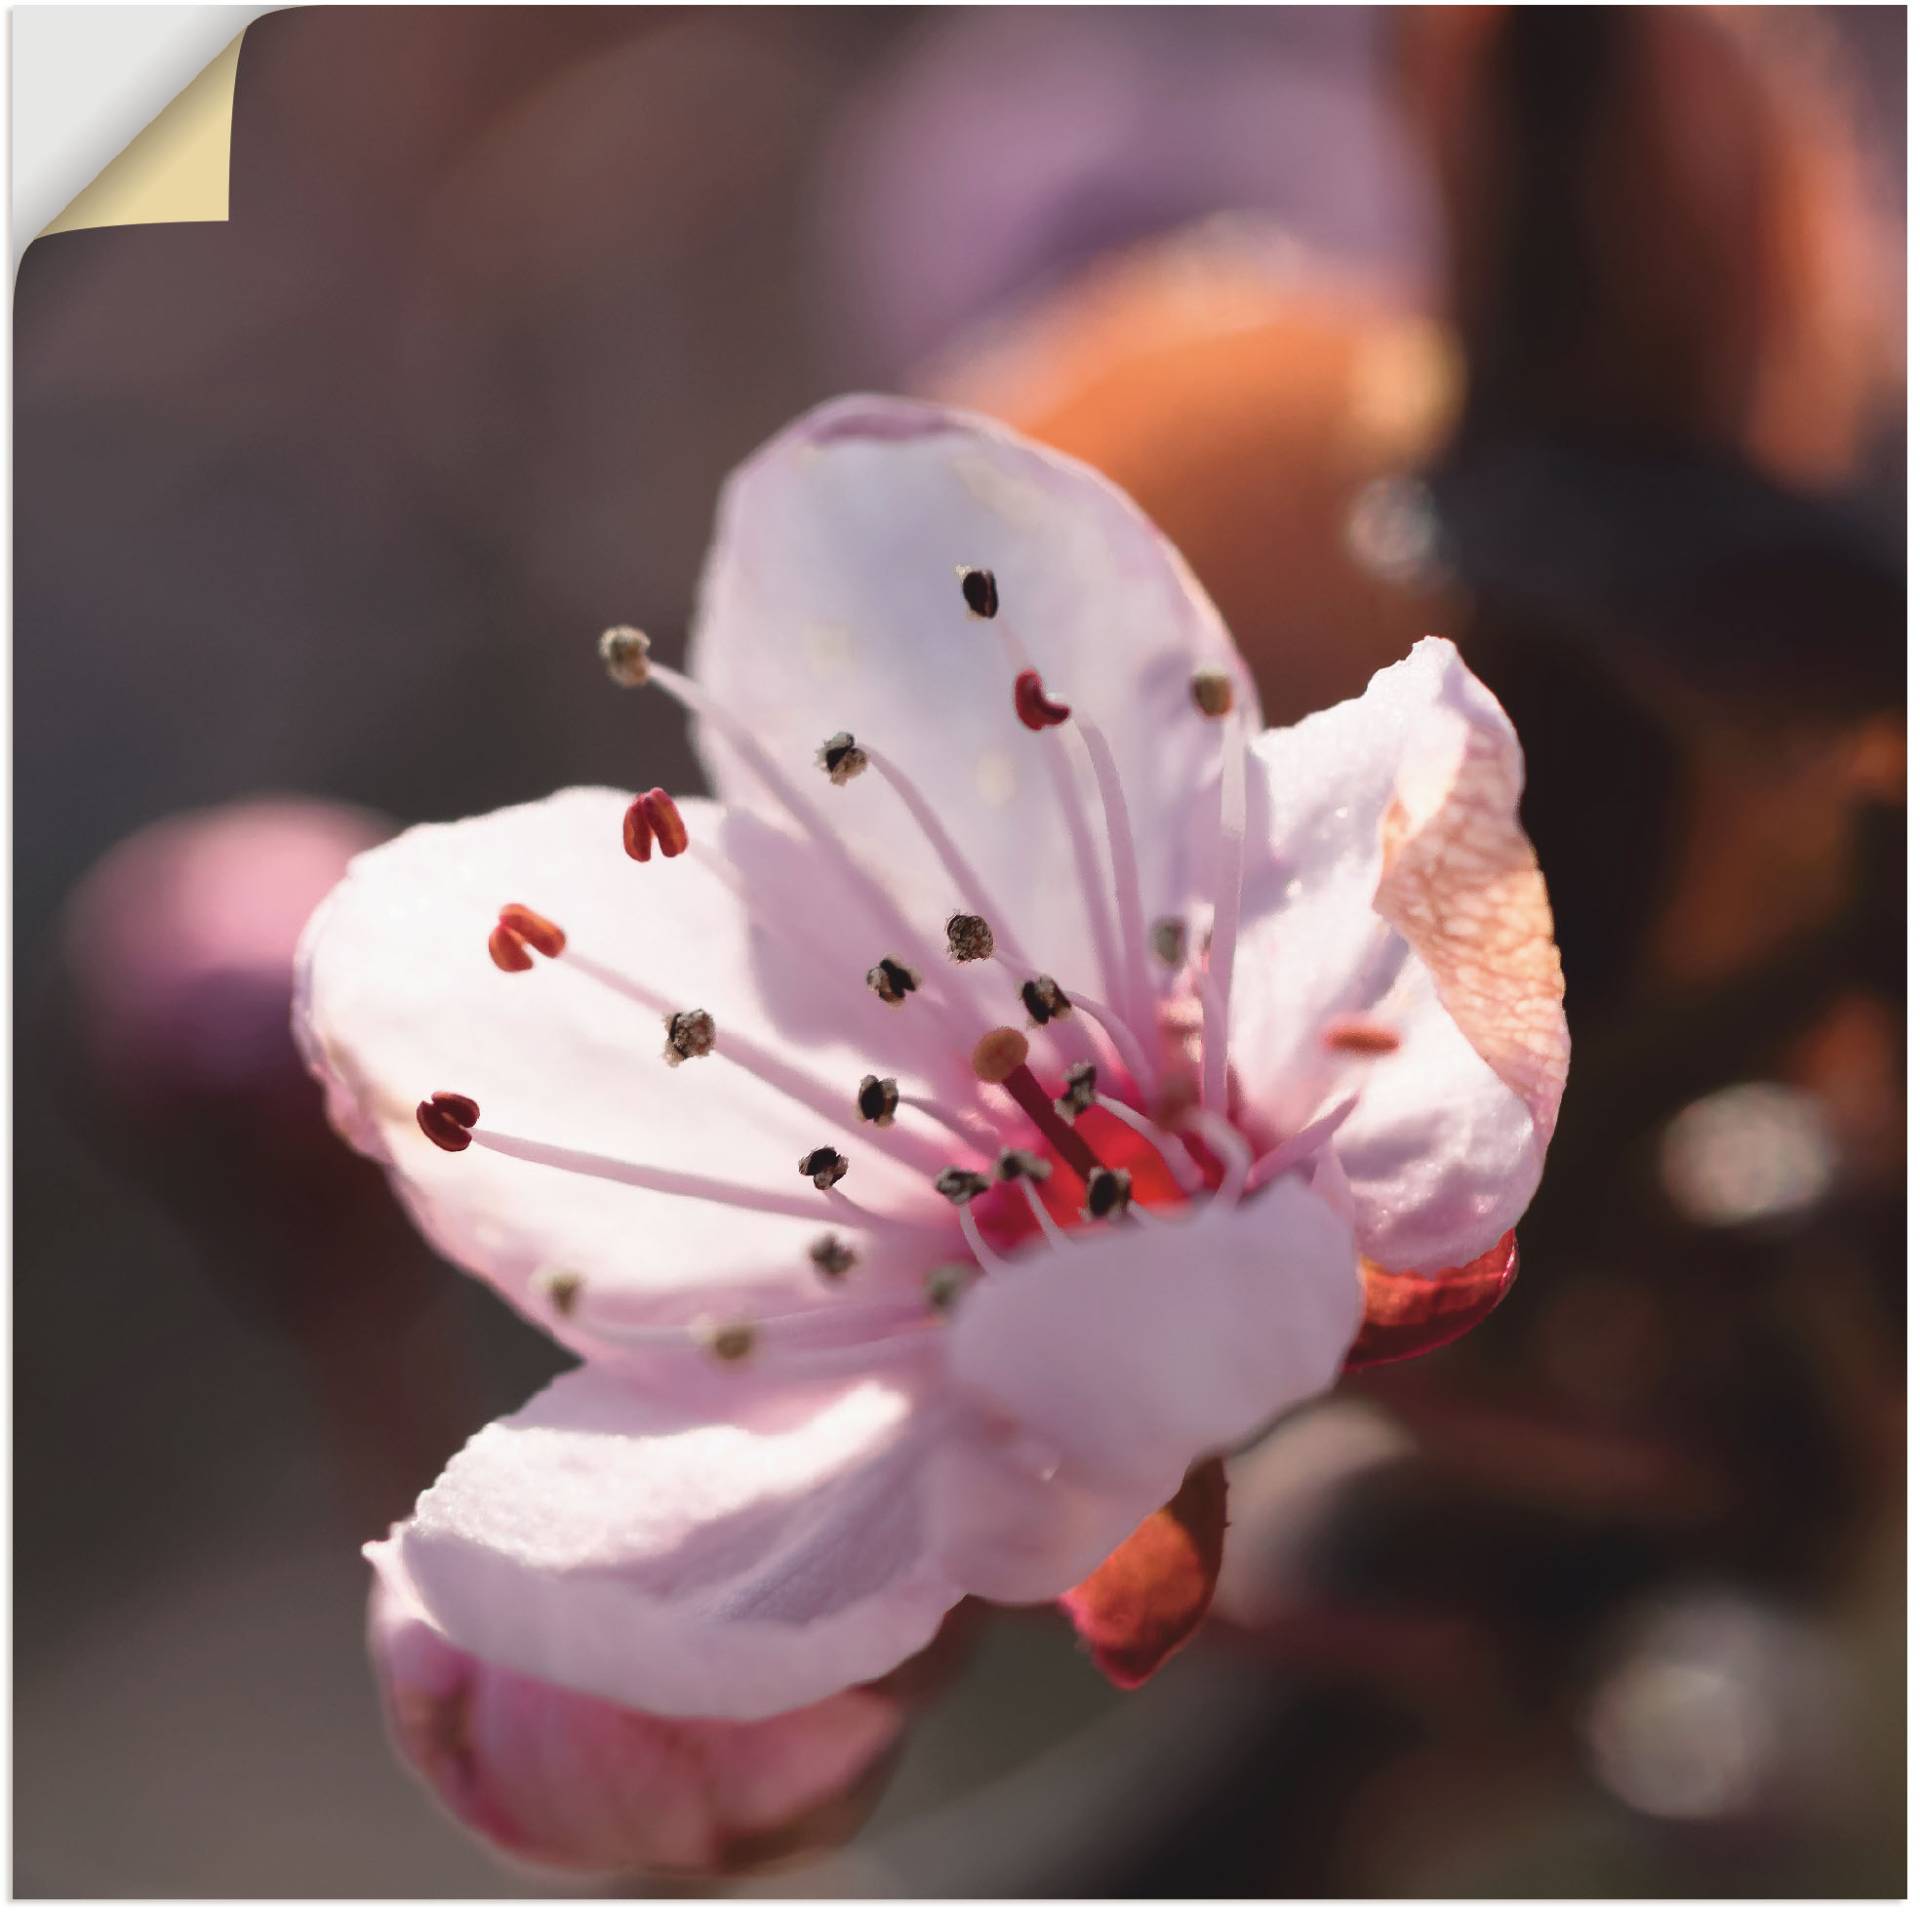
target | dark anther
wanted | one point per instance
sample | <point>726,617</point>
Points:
<point>731,1341</point>
<point>445,1119</point>
<point>690,1033</point>
<point>1016,1165</point>
<point>841,758</point>
<point>982,592</point>
<point>892,981</point>
<point>1033,706</point>
<point>832,1257</point>
<point>624,652</point>
<point>1212,693</point>
<point>1170,941</point>
<point>960,1185</point>
<point>1109,1191</point>
<point>1045,999</point>
<point>1080,1092</point>
<point>563,1292</point>
<point>946,1284</point>
<point>878,1098</point>
<point>823,1167</point>
<point>969,938</point>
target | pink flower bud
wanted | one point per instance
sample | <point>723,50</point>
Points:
<point>559,1778</point>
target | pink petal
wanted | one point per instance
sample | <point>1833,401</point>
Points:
<point>398,999</point>
<point>1396,944</point>
<point>831,603</point>
<point>1154,1345</point>
<point>561,1779</point>
<point>727,1559</point>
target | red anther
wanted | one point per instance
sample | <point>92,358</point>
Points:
<point>663,815</point>
<point>636,832</point>
<point>1033,706</point>
<point>1356,1036</point>
<point>531,927</point>
<point>445,1119</point>
<point>507,950</point>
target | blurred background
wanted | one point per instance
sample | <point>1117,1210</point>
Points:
<point>1576,334</point>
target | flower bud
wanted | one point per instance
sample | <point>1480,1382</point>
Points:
<point>559,1778</point>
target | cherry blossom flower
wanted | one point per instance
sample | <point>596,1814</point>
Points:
<point>977,1113</point>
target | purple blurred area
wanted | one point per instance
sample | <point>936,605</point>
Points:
<point>1385,316</point>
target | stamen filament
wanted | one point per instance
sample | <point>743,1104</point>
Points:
<point>1048,1226</point>
<point>1302,1147</point>
<point>1231,1146</point>
<point>1180,1165</point>
<point>964,877</point>
<point>1229,868</point>
<point>699,1188</point>
<point>832,1102</point>
<point>985,1256</point>
<point>1126,878</point>
<point>816,825</point>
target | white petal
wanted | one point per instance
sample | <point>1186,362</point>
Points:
<point>831,602</point>
<point>1388,882</point>
<point>726,1563</point>
<point>398,1000</point>
<point>1141,1350</point>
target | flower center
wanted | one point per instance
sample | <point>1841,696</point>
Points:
<point>1120,1116</point>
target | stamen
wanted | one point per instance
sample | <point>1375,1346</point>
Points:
<point>531,927</point>
<point>1302,1147</point>
<point>1170,941</point>
<point>823,1167</point>
<point>624,652</point>
<point>1109,1194</point>
<point>826,1101</point>
<point>841,758</point>
<point>1033,706</point>
<point>727,1341</point>
<point>507,950</point>
<point>636,833</point>
<point>1024,1087</point>
<point>1081,1093</point>
<point>1212,693</point>
<point>832,1257</point>
<point>699,1188</point>
<point>892,981</point>
<point>969,938</point>
<point>960,1185</point>
<point>998,1053</point>
<point>1014,1165</point>
<point>690,1033</point>
<point>1359,1036</point>
<point>960,873</point>
<point>801,808</point>
<point>664,819</point>
<point>1044,999</point>
<point>447,1120</point>
<point>980,589</point>
<point>1180,1165</point>
<point>1126,874</point>
<point>878,1098</point>
<point>947,1283</point>
<point>1226,913</point>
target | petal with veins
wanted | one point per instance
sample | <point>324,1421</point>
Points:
<point>721,1560</point>
<point>1143,1348</point>
<point>1388,881</point>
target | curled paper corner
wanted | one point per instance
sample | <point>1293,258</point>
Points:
<point>177,168</point>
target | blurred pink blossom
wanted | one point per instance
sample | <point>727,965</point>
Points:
<point>1290,1000</point>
